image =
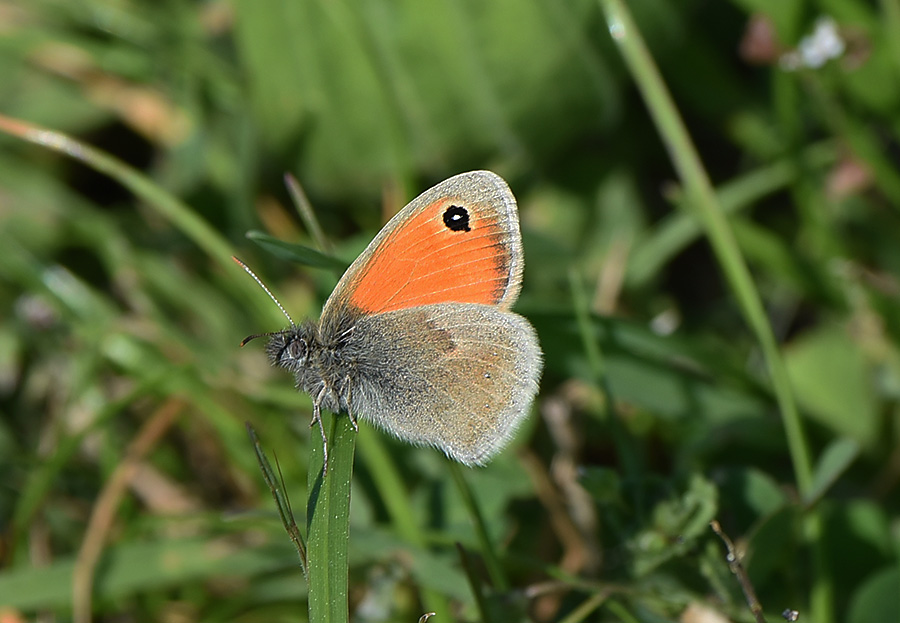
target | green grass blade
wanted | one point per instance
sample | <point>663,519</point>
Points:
<point>179,214</point>
<point>703,200</point>
<point>297,253</point>
<point>328,522</point>
<point>167,205</point>
<point>281,500</point>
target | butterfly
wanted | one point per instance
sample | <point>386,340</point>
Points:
<point>418,337</point>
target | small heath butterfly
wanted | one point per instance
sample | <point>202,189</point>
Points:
<point>418,336</point>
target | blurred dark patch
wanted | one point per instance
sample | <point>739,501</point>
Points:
<point>99,188</point>
<point>84,263</point>
<point>695,280</point>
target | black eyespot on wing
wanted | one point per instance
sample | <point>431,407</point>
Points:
<point>456,218</point>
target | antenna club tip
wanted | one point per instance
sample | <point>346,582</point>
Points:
<point>256,335</point>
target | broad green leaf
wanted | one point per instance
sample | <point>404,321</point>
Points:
<point>876,601</point>
<point>835,460</point>
<point>832,381</point>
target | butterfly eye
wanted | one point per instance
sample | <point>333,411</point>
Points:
<point>296,351</point>
<point>456,218</point>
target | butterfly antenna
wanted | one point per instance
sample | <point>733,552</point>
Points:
<point>267,291</point>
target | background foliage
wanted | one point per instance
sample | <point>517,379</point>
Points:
<point>124,394</point>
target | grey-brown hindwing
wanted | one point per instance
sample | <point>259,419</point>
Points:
<point>458,376</point>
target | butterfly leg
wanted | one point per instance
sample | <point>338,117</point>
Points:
<point>349,410</point>
<point>317,419</point>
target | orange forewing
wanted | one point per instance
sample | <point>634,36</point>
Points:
<point>426,263</point>
<point>419,260</point>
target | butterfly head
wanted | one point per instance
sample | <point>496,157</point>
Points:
<point>290,348</point>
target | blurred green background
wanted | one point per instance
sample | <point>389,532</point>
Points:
<point>124,393</point>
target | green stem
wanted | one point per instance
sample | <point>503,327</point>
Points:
<point>328,522</point>
<point>703,201</point>
<point>585,609</point>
